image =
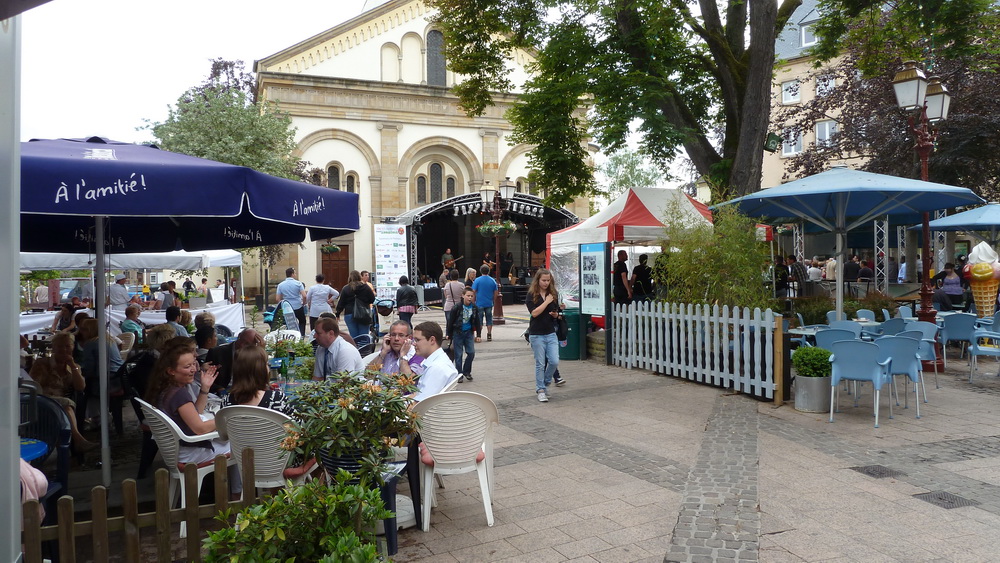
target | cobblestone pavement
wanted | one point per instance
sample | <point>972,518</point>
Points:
<point>625,465</point>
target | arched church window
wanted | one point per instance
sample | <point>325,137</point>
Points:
<point>519,187</point>
<point>436,75</point>
<point>352,183</point>
<point>421,189</point>
<point>436,177</point>
<point>333,177</point>
<point>450,186</point>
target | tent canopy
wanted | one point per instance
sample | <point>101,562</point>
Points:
<point>176,260</point>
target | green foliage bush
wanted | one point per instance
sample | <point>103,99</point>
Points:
<point>712,264</point>
<point>810,361</point>
<point>813,309</point>
<point>312,522</point>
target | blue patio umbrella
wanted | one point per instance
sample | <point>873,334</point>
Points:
<point>137,198</point>
<point>841,199</point>
<point>983,219</point>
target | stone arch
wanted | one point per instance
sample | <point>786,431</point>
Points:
<point>508,159</point>
<point>341,135</point>
<point>452,146</point>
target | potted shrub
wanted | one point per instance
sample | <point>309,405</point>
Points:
<point>812,379</point>
<point>351,421</point>
<point>315,521</point>
<point>492,229</point>
<point>197,300</point>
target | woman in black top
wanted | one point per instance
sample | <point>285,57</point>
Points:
<point>355,289</point>
<point>406,300</point>
<point>543,304</point>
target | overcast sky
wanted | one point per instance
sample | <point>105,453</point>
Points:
<point>99,67</point>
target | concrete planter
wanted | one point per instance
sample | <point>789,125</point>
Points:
<point>812,394</point>
<point>198,302</point>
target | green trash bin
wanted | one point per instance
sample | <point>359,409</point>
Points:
<point>571,351</point>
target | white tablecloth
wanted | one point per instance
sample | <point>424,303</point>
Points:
<point>229,315</point>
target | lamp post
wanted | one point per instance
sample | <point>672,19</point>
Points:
<point>498,200</point>
<point>914,92</point>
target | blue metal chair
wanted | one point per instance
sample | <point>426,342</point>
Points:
<point>904,311</point>
<point>848,325</point>
<point>902,353</point>
<point>826,338</point>
<point>855,360</point>
<point>957,328</point>
<point>886,315</point>
<point>928,345</point>
<point>989,323</point>
<point>984,343</point>
<point>801,340</point>
<point>831,316</point>
<point>866,314</point>
<point>893,326</point>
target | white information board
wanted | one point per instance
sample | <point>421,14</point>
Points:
<point>594,277</point>
<point>390,259</point>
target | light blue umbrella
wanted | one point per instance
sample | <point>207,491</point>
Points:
<point>984,219</point>
<point>841,199</point>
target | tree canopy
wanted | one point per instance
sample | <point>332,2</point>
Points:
<point>629,169</point>
<point>697,77</point>
<point>872,130</point>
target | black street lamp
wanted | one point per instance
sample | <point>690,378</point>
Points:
<point>498,199</point>
<point>931,98</point>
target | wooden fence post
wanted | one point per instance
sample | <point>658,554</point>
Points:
<point>191,517</point>
<point>99,517</point>
<point>130,520</point>
<point>32,532</point>
<point>161,480</point>
<point>67,539</point>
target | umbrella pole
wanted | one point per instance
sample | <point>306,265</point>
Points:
<point>102,348</point>
<point>840,274</point>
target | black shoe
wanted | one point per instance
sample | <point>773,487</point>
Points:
<point>559,381</point>
<point>468,376</point>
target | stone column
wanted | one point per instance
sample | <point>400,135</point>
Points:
<point>392,203</point>
<point>491,156</point>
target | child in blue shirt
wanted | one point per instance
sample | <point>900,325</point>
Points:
<point>463,324</point>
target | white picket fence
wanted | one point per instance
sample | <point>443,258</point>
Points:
<point>729,348</point>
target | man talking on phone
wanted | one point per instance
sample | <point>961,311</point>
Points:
<point>395,346</point>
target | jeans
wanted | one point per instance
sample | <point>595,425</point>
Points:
<point>464,342</point>
<point>300,316</point>
<point>406,317</point>
<point>485,318</point>
<point>546,349</point>
<point>355,329</point>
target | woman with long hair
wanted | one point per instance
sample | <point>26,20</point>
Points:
<point>64,319</point>
<point>452,294</point>
<point>61,379</point>
<point>354,290</point>
<point>168,391</point>
<point>543,305</point>
<point>250,382</point>
<point>470,276</point>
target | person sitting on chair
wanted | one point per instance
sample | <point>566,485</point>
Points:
<point>334,354</point>
<point>392,350</point>
<point>437,369</point>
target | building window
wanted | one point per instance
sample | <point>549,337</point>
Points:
<point>825,131</point>
<point>824,85</point>
<point>518,186</point>
<point>352,183</point>
<point>792,143</point>
<point>807,35</point>
<point>436,74</point>
<point>333,177</point>
<point>790,92</point>
<point>436,177</point>
<point>421,189</point>
<point>450,186</point>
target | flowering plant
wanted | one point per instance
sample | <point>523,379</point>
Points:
<point>352,414</point>
<point>497,228</point>
<point>329,248</point>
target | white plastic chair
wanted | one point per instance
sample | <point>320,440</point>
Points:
<point>283,334</point>
<point>457,433</point>
<point>168,436</point>
<point>261,430</point>
<point>128,341</point>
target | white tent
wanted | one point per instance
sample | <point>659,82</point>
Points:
<point>635,217</point>
<point>177,260</point>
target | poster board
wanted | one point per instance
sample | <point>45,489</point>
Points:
<point>595,278</point>
<point>390,259</point>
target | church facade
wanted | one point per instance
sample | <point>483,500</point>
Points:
<point>373,110</point>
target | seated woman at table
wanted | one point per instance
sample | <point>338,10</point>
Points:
<point>250,383</point>
<point>204,318</point>
<point>168,391</point>
<point>131,322</point>
<point>87,341</point>
<point>64,319</point>
<point>61,379</point>
<point>185,320</point>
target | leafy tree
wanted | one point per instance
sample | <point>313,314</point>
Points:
<point>697,79</point>
<point>720,264</point>
<point>871,128</point>
<point>629,169</point>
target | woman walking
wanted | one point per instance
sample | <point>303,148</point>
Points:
<point>406,300</point>
<point>543,304</point>
<point>358,290</point>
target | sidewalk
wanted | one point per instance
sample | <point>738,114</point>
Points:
<point>626,465</point>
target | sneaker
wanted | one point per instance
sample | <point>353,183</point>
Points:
<point>468,377</point>
<point>460,379</point>
<point>542,398</point>
<point>560,381</point>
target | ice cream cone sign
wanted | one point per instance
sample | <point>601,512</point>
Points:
<point>983,272</point>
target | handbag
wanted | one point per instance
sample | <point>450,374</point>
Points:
<point>361,314</point>
<point>562,328</point>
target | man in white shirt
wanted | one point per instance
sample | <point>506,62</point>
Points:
<point>438,369</point>
<point>319,299</point>
<point>831,269</point>
<point>334,354</point>
<point>118,293</point>
<point>293,291</point>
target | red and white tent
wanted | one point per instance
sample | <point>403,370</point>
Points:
<point>634,218</point>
